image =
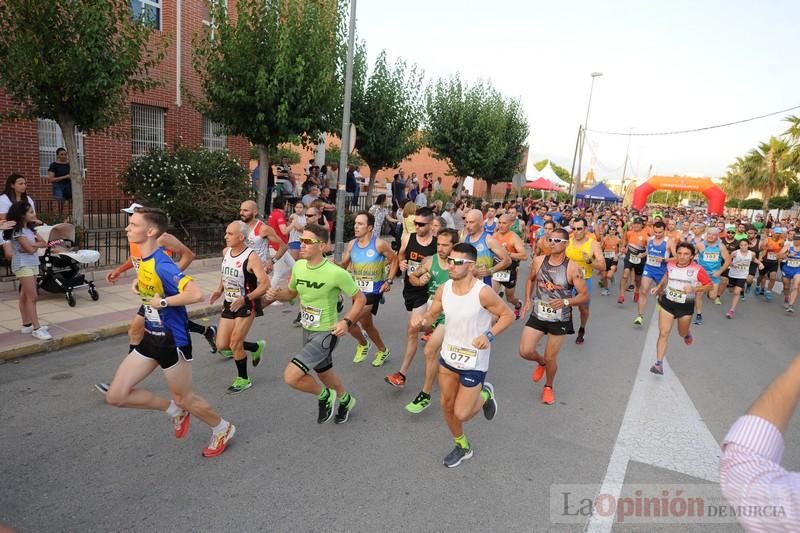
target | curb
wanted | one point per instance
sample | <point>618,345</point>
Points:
<point>90,335</point>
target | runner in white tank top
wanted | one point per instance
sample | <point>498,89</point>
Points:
<point>469,307</point>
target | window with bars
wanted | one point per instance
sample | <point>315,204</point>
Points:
<point>147,125</point>
<point>147,11</point>
<point>207,15</point>
<point>50,140</point>
<point>214,138</point>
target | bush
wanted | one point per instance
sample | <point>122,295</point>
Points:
<point>732,203</point>
<point>780,202</point>
<point>191,185</point>
<point>752,203</point>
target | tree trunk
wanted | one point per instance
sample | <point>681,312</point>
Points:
<point>373,174</point>
<point>460,187</point>
<point>67,125</point>
<point>263,176</point>
<point>488,194</point>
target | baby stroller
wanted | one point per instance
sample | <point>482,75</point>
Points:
<point>61,264</point>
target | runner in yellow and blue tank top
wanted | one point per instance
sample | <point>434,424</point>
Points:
<point>487,247</point>
<point>791,270</point>
<point>367,257</point>
<point>586,252</point>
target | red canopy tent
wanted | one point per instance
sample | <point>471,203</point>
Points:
<point>541,184</point>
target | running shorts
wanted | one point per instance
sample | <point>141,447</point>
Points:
<point>637,269</point>
<point>564,327</point>
<point>512,279</point>
<point>789,272</point>
<point>468,378</point>
<point>374,300</point>
<point>677,310</point>
<point>162,349</point>
<point>714,280</point>
<point>655,275</point>
<point>415,300</point>
<point>735,282</point>
<point>317,351</point>
<point>753,270</point>
<point>244,311</point>
<point>769,267</point>
<point>610,263</point>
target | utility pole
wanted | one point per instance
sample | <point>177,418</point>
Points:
<point>574,158</point>
<point>625,165</point>
<point>583,137</point>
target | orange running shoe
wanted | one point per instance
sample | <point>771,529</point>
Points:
<point>396,380</point>
<point>181,424</point>
<point>219,442</point>
<point>547,395</point>
<point>538,373</point>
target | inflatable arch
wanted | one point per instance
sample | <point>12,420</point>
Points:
<point>715,196</point>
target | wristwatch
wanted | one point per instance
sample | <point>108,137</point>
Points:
<point>566,302</point>
<point>489,335</point>
<point>163,302</point>
<point>348,322</point>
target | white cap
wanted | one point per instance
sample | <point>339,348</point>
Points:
<point>131,209</point>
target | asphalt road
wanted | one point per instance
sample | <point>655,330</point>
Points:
<point>71,463</point>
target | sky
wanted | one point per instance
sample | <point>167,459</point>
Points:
<point>667,65</point>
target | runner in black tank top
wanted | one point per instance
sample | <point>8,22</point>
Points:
<point>416,254</point>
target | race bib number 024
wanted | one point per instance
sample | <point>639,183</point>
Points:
<point>675,295</point>
<point>460,357</point>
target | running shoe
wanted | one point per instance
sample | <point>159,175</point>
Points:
<point>579,339</point>
<point>730,314</point>
<point>698,321</point>
<point>326,407</point>
<point>455,457</point>
<point>759,291</point>
<point>381,357</point>
<point>638,321</point>
<point>604,292</point>
<point>227,354</point>
<point>361,352</point>
<point>211,335</point>
<point>26,329</point>
<point>621,300</point>
<point>490,405</point>
<point>769,296</point>
<point>42,334</point>
<point>548,397</point>
<point>688,339</point>
<point>239,385</point>
<point>102,388</point>
<point>396,380</point>
<point>517,310</point>
<point>717,301</point>
<point>631,288</point>
<point>257,354</point>
<point>343,413</point>
<point>538,373</point>
<point>296,321</point>
<point>747,289</point>
<point>219,441</point>
<point>636,297</point>
<point>790,309</point>
<point>420,403</point>
<point>181,424</point>
<point>742,297</point>
<point>657,369</point>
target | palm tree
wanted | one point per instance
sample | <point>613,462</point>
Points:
<point>793,135</point>
<point>768,168</point>
<point>735,183</point>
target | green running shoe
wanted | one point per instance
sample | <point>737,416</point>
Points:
<point>227,354</point>
<point>257,354</point>
<point>638,321</point>
<point>420,403</point>
<point>326,407</point>
<point>362,352</point>
<point>381,357</point>
<point>239,385</point>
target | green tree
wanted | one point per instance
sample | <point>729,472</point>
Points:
<point>387,112</point>
<point>560,171</point>
<point>751,203</point>
<point>273,73</point>
<point>768,168</point>
<point>332,154</point>
<point>75,62</point>
<point>512,129</point>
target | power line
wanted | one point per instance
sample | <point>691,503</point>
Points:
<point>694,130</point>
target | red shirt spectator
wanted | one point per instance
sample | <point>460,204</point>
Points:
<point>277,221</point>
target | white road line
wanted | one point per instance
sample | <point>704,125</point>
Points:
<point>661,427</point>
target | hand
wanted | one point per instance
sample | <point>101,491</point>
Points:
<point>7,224</point>
<point>586,257</point>
<point>482,271</point>
<point>272,294</point>
<point>341,328</point>
<point>417,321</point>
<point>403,265</point>
<point>112,277</point>
<point>654,291</point>
<point>386,287</point>
<point>213,297</point>
<point>525,307</point>
<point>761,266</point>
<point>425,278</point>
<point>557,303</point>
<point>155,302</point>
<point>135,286</point>
<point>689,289</point>
<point>715,274</point>
<point>237,304</point>
<point>481,342</point>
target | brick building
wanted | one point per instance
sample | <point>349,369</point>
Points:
<point>160,117</point>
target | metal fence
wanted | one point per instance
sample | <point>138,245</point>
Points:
<point>97,213</point>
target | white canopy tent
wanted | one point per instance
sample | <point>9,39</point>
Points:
<point>549,174</point>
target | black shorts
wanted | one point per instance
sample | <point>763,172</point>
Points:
<point>610,263</point>
<point>769,267</point>
<point>753,270</point>
<point>724,273</point>
<point>550,328</point>
<point>678,310</point>
<point>637,269</point>
<point>734,282</point>
<point>162,349</point>
<point>512,279</point>
<point>414,300</point>
<point>374,300</point>
<point>244,311</point>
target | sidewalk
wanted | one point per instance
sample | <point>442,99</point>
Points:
<point>89,321</point>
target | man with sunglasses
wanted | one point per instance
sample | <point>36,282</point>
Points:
<point>415,248</point>
<point>790,258</point>
<point>730,242</point>
<point>492,257</point>
<point>770,248</point>
<point>367,256</point>
<point>633,242</point>
<point>513,244</point>
<point>470,307</point>
<point>318,283</point>
<point>555,284</point>
<point>588,254</point>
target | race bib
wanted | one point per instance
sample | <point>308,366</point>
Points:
<point>546,312</point>
<point>772,256</point>
<point>460,357</point>
<point>503,275</point>
<point>653,261</point>
<point>609,254</point>
<point>634,259</point>
<point>413,266</point>
<point>675,295</point>
<point>310,317</point>
<point>740,266</point>
<point>135,262</point>
<point>365,283</point>
<point>232,293</point>
<point>793,263</point>
<point>151,315</point>
<point>710,257</point>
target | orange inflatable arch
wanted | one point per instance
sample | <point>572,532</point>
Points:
<point>714,195</point>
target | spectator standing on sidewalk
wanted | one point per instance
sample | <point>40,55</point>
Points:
<point>351,186</point>
<point>15,191</point>
<point>398,188</point>
<point>58,176</point>
<point>25,265</point>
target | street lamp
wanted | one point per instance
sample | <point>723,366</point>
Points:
<point>582,138</point>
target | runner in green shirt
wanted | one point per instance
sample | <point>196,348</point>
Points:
<point>318,283</point>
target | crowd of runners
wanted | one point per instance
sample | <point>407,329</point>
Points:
<point>458,287</point>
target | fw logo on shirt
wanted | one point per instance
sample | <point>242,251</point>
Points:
<point>311,284</point>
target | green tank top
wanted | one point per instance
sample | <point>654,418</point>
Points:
<point>438,275</point>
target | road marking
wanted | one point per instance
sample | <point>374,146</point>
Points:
<point>661,427</point>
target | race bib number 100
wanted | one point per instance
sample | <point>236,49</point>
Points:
<point>460,357</point>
